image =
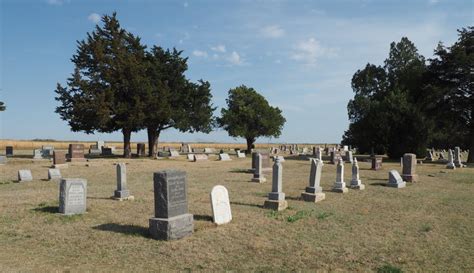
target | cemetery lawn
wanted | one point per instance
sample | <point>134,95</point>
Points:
<point>427,226</point>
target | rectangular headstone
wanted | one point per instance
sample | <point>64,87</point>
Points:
<point>59,157</point>
<point>37,154</point>
<point>76,152</point>
<point>190,157</point>
<point>376,162</point>
<point>172,220</point>
<point>107,151</point>
<point>9,151</point>
<point>240,154</point>
<point>122,192</point>
<point>200,157</point>
<point>72,196</point>
<point>174,153</point>
<point>3,160</point>
<point>224,157</point>
<point>54,174</point>
<point>24,175</point>
<point>220,205</point>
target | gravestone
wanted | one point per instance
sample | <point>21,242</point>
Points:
<point>122,192</point>
<point>54,174</point>
<point>258,172</point>
<point>100,144</point>
<point>314,193</point>
<point>345,148</point>
<point>24,175</point>
<point>190,157</point>
<point>174,153</point>
<point>340,185</point>
<point>457,158</point>
<point>9,151</point>
<point>72,196</point>
<point>335,157</point>
<point>409,168</point>
<point>209,150</point>
<point>59,159</point>
<point>200,157</point>
<point>280,157</point>
<point>349,157</point>
<point>240,154</point>
<point>141,149</point>
<point>106,151</point>
<point>37,154</point>
<point>429,155</point>
<point>376,162</point>
<point>450,164</point>
<point>163,154</point>
<point>266,162</point>
<point>355,181</point>
<point>220,204</point>
<point>47,151</point>
<point>3,160</point>
<point>171,220</point>
<point>276,198</point>
<point>224,157</point>
<point>395,180</point>
<point>93,150</point>
<point>76,152</point>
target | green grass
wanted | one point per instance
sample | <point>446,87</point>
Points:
<point>389,269</point>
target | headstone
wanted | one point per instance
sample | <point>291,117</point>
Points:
<point>409,168</point>
<point>258,172</point>
<point>224,157</point>
<point>190,157</point>
<point>346,148</point>
<point>340,185</point>
<point>174,153</point>
<point>163,154</point>
<point>209,150</point>
<point>280,157</point>
<point>376,162</point>
<point>59,159</point>
<point>276,198</point>
<point>54,174</point>
<point>451,164</point>
<point>429,155</point>
<point>106,151</point>
<point>9,151</point>
<point>3,160</point>
<point>457,158</point>
<point>349,157</point>
<point>335,157</point>
<point>314,193</point>
<point>441,156</point>
<point>305,150</point>
<point>72,196</point>
<point>122,192</point>
<point>76,152</point>
<point>240,154</point>
<point>266,162</point>
<point>171,220</point>
<point>100,144</point>
<point>200,157</point>
<point>47,151</point>
<point>395,180</point>
<point>355,181</point>
<point>141,149</point>
<point>37,154</point>
<point>94,151</point>
<point>221,213</point>
<point>24,175</point>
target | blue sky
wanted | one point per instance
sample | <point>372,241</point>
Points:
<point>300,55</point>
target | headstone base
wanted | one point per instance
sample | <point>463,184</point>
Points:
<point>451,166</point>
<point>277,205</point>
<point>410,177</point>
<point>397,185</point>
<point>122,195</point>
<point>128,198</point>
<point>77,160</point>
<point>340,190</point>
<point>313,197</point>
<point>171,228</point>
<point>259,179</point>
<point>357,186</point>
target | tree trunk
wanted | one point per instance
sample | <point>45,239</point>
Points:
<point>127,135</point>
<point>250,142</point>
<point>470,157</point>
<point>151,141</point>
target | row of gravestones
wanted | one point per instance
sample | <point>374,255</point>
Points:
<point>313,193</point>
<point>171,219</point>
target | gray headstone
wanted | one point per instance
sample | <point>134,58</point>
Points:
<point>190,157</point>
<point>174,153</point>
<point>54,174</point>
<point>24,175</point>
<point>409,168</point>
<point>395,180</point>
<point>172,220</point>
<point>450,164</point>
<point>224,157</point>
<point>340,185</point>
<point>9,150</point>
<point>3,160</point>
<point>258,171</point>
<point>457,157</point>
<point>356,183</point>
<point>276,198</point>
<point>314,193</point>
<point>72,196</point>
<point>220,205</point>
<point>37,154</point>
<point>122,192</point>
<point>200,157</point>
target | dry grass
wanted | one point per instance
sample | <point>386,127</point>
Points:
<point>427,226</point>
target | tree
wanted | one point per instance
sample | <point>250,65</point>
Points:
<point>249,115</point>
<point>386,114</point>
<point>173,101</point>
<point>2,106</point>
<point>451,88</point>
<point>107,89</point>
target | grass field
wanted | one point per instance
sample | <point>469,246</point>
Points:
<point>427,226</point>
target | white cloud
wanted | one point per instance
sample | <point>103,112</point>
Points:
<point>273,31</point>
<point>310,51</point>
<point>235,59</point>
<point>219,48</point>
<point>199,53</point>
<point>94,18</point>
<point>185,4</point>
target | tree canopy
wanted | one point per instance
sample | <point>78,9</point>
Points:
<point>249,115</point>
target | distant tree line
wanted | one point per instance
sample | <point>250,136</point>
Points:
<point>119,85</point>
<point>410,103</point>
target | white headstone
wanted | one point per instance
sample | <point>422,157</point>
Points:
<point>450,164</point>
<point>54,174</point>
<point>356,183</point>
<point>395,180</point>
<point>240,154</point>
<point>340,185</point>
<point>220,205</point>
<point>190,157</point>
<point>174,153</point>
<point>24,175</point>
<point>224,157</point>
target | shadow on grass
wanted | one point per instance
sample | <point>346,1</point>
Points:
<point>293,198</point>
<point>99,198</point>
<point>245,204</point>
<point>124,229</point>
<point>378,184</point>
<point>47,209</point>
<point>199,217</point>
<point>241,171</point>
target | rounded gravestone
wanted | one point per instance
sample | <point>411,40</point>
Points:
<point>220,205</point>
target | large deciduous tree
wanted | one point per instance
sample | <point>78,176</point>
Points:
<point>249,115</point>
<point>107,89</point>
<point>173,101</point>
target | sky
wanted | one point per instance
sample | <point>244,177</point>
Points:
<point>300,55</point>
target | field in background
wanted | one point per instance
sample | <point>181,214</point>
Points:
<point>30,145</point>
